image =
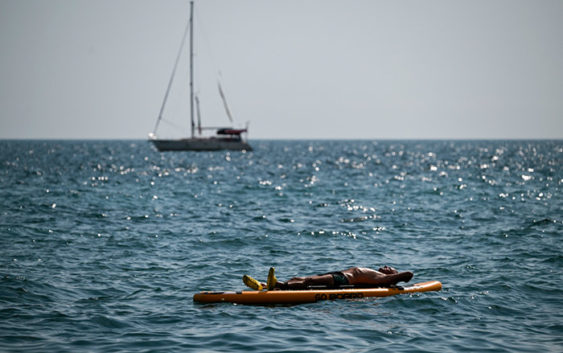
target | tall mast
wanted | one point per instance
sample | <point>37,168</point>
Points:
<point>192,66</point>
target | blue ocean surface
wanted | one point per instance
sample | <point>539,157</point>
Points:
<point>104,243</point>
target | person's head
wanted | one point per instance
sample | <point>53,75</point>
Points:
<point>388,270</point>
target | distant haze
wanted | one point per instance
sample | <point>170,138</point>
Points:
<point>292,69</point>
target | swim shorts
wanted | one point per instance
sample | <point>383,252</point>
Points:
<point>339,279</point>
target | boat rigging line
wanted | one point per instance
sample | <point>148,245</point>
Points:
<point>172,76</point>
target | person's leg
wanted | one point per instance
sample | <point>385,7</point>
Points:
<point>300,283</point>
<point>295,283</point>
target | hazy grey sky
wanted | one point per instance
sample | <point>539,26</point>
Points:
<point>294,68</point>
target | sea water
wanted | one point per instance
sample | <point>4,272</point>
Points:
<point>104,243</point>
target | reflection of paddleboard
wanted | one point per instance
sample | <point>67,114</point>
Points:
<point>309,296</point>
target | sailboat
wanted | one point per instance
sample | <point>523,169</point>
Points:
<point>226,138</point>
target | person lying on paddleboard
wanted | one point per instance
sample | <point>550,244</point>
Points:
<point>358,277</point>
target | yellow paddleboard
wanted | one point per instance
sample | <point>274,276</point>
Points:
<point>309,296</point>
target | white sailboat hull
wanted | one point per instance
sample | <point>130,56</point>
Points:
<point>202,144</point>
